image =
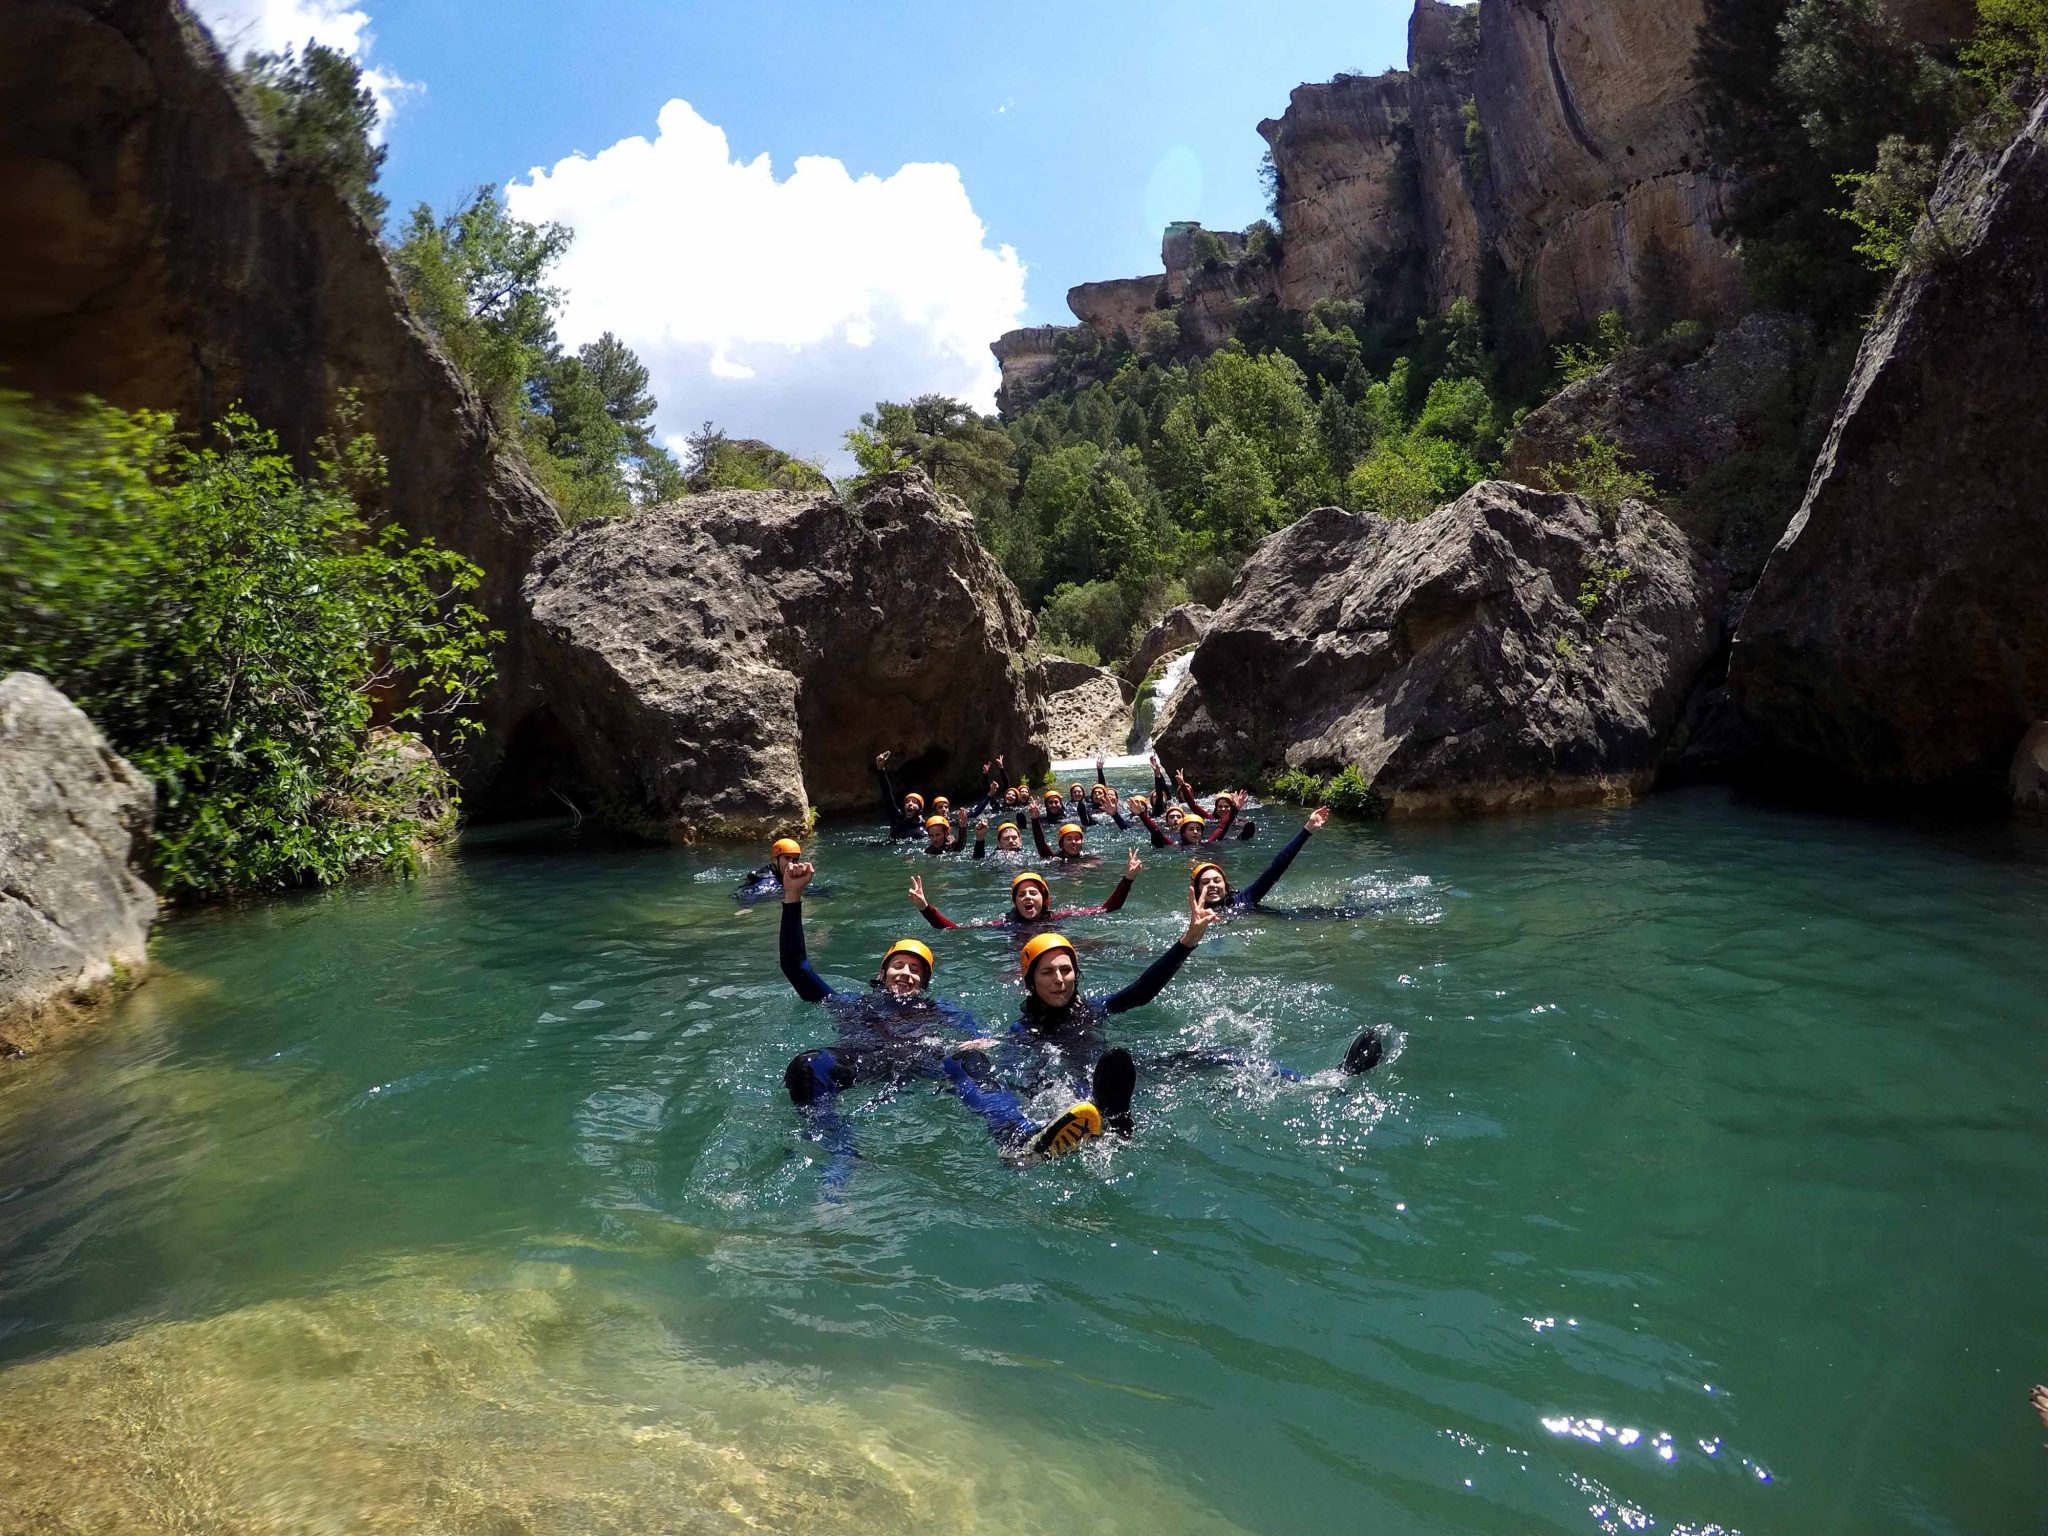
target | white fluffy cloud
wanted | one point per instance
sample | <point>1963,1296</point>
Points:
<point>778,309</point>
<point>269,26</point>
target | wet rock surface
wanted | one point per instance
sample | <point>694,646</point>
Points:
<point>1451,660</point>
<point>723,664</point>
<point>74,832</point>
<point>1897,638</point>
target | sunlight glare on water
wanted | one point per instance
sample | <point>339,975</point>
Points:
<point>1700,1192</point>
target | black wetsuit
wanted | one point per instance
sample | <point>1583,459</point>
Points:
<point>1259,889</point>
<point>902,823</point>
<point>757,883</point>
<point>882,1039</point>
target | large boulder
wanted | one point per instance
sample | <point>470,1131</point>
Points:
<point>1176,630</point>
<point>1087,711</point>
<point>1898,638</point>
<point>74,831</point>
<point>1484,658</point>
<point>159,254</point>
<point>722,664</point>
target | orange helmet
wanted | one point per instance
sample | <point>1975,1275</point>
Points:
<point>1195,875</point>
<point>940,803</point>
<point>1073,827</point>
<point>788,845</point>
<point>935,821</point>
<point>1040,947</point>
<point>911,947</point>
<point>1028,878</point>
<point>914,798</point>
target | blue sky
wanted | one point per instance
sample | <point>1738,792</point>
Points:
<point>1077,131</point>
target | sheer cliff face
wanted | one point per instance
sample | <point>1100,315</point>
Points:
<point>157,258</point>
<point>1595,156</point>
<point>1346,200</point>
<point>1556,143</point>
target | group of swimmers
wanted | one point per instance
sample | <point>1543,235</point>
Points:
<point>894,1031</point>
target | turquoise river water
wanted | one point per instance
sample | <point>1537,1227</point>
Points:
<point>1701,1193</point>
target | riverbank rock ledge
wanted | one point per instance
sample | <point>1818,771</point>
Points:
<point>1898,639</point>
<point>720,665</point>
<point>1450,660</point>
<point>74,829</point>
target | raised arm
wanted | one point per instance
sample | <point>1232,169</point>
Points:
<point>892,803</point>
<point>1038,834</point>
<point>1256,892</point>
<point>1122,892</point>
<point>931,913</point>
<point>1224,816</point>
<point>1162,970</point>
<point>796,964</point>
<point>1159,837</point>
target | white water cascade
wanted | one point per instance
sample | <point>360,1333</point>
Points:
<point>1169,680</point>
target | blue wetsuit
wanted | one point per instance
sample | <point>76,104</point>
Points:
<point>758,883</point>
<point>882,1039</point>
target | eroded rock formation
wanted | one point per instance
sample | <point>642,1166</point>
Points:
<point>1450,660</point>
<point>722,665</point>
<point>1346,201</point>
<point>1549,153</point>
<point>1595,155</point>
<point>157,255</point>
<point>1898,636</point>
<point>74,833</point>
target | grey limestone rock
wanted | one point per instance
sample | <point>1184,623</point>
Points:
<point>1449,660</point>
<point>74,829</point>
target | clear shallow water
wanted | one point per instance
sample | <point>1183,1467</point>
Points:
<point>1702,1193</point>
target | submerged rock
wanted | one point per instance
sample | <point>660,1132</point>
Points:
<point>1898,636</point>
<point>74,830</point>
<point>722,664</point>
<point>1485,658</point>
<point>529,1398</point>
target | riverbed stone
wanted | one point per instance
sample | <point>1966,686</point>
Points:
<point>75,821</point>
<point>1449,660</point>
<point>721,665</point>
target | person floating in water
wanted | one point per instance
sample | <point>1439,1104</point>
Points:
<point>1058,1041</point>
<point>1058,1036</point>
<point>1071,836</point>
<point>906,813</point>
<point>892,1032</point>
<point>767,880</point>
<point>1211,886</point>
<point>1030,902</point>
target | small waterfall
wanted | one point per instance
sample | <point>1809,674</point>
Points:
<point>1169,680</point>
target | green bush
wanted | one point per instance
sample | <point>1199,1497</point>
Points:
<point>1601,582</point>
<point>1087,655</point>
<point>1600,474</point>
<point>235,630</point>
<point>1576,361</point>
<point>1347,792</point>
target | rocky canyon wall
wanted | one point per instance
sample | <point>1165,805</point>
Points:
<point>158,256</point>
<point>1559,143</point>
